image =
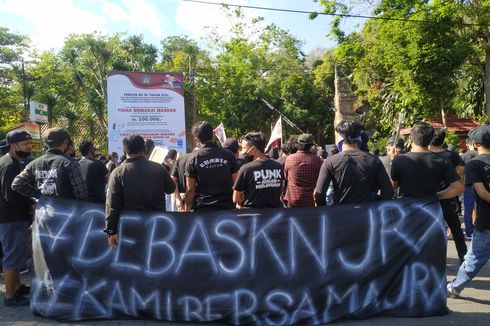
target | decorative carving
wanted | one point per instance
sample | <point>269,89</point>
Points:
<point>345,100</point>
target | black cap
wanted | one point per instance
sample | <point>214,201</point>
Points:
<point>391,142</point>
<point>306,138</point>
<point>16,136</point>
<point>480,135</point>
<point>54,137</point>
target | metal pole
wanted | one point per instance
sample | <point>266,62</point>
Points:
<point>289,122</point>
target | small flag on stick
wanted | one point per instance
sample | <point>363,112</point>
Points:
<point>220,133</point>
<point>276,134</point>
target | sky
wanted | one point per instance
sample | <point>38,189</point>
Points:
<point>49,22</point>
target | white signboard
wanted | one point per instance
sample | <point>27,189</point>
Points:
<point>39,112</point>
<point>148,104</point>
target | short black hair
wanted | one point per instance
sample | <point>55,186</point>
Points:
<point>256,139</point>
<point>149,146</point>
<point>290,147</point>
<point>304,147</point>
<point>349,129</point>
<point>85,147</point>
<point>172,154</point>
<point>439,136</point>
<point>422,133</point>
<point>203,131</point>
<point>134,144</point>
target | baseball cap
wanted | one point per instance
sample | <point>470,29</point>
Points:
<point>55,136</point>
<point>16,136</point>
<point>391,142</point>
<point>306,138</point>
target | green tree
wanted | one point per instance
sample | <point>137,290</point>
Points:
<point>12,48</point>
<point>405,66</point>
<point>268,65</point>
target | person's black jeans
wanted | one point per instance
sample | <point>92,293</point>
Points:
<point>450,212</point>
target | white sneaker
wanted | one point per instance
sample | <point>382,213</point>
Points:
<point>451,292</point>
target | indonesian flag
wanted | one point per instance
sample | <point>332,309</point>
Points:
<point>220,133</point>
<point>276,134</point>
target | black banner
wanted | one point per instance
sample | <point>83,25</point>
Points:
<point>274,266</point>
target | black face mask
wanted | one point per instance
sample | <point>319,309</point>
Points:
<point>22,154</point>
<point>248,157</point>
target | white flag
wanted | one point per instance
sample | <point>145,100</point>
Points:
<point>220,133</point>
<point>276,134</point>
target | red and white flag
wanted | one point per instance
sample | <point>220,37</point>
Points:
<point>276,134</point>
<point>220,133</point>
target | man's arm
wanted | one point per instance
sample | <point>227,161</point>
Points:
<point>238,198</point>
<point>322,185</point>
<point>179,201</point>
<point>190,193</point>
<point>113,207</point>
<point>78,184</point>
<point>239,189</point>
<point>169,183</point>
<point>481,191</point>
<point>24,184</point>
<point>384,183</point>
<point>455,188</point>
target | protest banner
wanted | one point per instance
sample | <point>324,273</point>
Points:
<point>149,104</point>
<point>271,266</point>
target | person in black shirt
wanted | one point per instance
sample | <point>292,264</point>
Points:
<point>356,175</point>
<point>419,173</point>
<point>53,174</point>
<point>231,144</point>
<point>210,173</point>
<point>477,175</point>
<point>450,205</point>
<point>112,163</point>
<point>136,184</point>
<point>94,172</point>
<point>259,183</point>
<point>469,195</point>
<point>178,176</point>
<point>393,148</point>
<point>15,217</point>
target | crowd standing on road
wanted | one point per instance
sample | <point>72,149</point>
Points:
<point>240,175</point>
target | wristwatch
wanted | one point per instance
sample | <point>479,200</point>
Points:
<point>110,232</point>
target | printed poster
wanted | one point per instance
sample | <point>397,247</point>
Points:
<point>150,104</point>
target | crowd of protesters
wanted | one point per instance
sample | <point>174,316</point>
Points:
<point>240,175</point>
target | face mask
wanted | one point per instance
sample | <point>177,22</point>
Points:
<point>22,154</point>
<point>248,157</point>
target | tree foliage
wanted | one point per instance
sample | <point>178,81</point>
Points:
<point>12,48</point>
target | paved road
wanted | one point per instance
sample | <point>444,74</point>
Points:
<point>473,308</point>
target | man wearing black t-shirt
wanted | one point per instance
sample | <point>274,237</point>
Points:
<point>420,172</point>
<point>94,172</point>
<point>469,195</point>
<point>259,183</point>
<point>357,176</point>
<point>136,184</point>
<point>210,173</point>
<point>450,206</point>
<point>477,174</point>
